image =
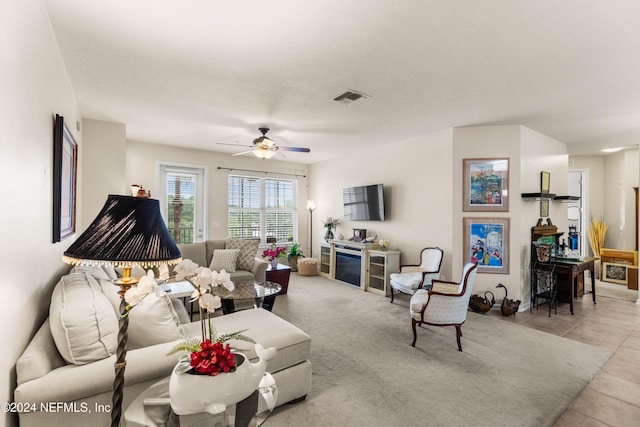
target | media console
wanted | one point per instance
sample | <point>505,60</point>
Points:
<point>360,264</point>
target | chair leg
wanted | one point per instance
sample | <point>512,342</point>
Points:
<point>415,335</point>
<point>458,335</point>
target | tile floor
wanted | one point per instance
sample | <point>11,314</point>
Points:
<point>613,396</point>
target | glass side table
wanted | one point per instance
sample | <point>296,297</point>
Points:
<point>153,409</point>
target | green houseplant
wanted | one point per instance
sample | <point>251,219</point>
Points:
<point>294,253</point>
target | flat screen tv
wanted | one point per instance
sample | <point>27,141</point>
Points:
<point>364,203</point>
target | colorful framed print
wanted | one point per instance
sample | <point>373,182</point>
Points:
<point>486,242</point>
<point>486,185</point>
<point>65,165</point>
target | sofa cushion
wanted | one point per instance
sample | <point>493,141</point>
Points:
<point>152,321</point>
<point>196,252</point>
<point>224,259</point>
<point>40,357</point>
<point>82,321</point>
<point>293,344</point>
<point>248,250</point>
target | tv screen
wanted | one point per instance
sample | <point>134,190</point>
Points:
<point>365,203</point>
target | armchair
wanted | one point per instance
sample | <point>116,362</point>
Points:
<point>415,276</point>
<point>445,304</point>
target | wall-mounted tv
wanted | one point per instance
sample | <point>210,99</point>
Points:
<point>364,203</point>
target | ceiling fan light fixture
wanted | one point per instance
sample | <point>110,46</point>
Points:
<point>263,153</point>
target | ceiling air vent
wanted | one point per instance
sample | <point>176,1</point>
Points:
<point>350,96</point>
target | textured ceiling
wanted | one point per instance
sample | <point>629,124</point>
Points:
<point>196,73</point>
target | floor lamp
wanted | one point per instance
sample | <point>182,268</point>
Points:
<point>128,232</point>
<point>311,206</point>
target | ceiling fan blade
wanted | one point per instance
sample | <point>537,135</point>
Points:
<point>243,152</point>
<point>298,149</point>
<point>234,145</point>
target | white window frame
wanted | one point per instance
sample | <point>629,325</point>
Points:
<point>200,213</point>
<point>262,209</point>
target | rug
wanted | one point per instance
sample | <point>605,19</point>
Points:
<point>365,372</point>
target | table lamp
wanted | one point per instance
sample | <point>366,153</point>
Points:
<point>128,232</point>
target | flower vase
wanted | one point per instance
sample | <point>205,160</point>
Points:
<point>274,263</point>
<point>191,393</point>
<point>329,234</point>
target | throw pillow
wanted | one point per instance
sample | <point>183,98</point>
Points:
<point>445,288</point>
<point>225,259</point>
<point>152,321</point>
<point>82,321</point>
<point>248,250</point>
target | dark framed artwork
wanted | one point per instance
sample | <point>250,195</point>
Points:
<point>545,182</point>
<point>65,171</point>
<point>544,208</point>
<point>486,242</point>
<point>486,185</point>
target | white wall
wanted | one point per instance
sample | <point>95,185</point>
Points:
<point>621,175</point>
<point>35,87</point>
<point>611,196</point>
<point>417,177</point>
<point>142,160</point>
<point>104,149</point>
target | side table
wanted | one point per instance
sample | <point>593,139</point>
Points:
<point>279,275</point>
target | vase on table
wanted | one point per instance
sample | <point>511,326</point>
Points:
<point>192,393</point>
<point>329,234</point>
<point>274,263</point>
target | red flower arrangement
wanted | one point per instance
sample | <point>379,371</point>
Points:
<point>213,358</point>
<point>274,252</point>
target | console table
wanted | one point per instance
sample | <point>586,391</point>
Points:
<point>570,278</point>
<point>360,264</point>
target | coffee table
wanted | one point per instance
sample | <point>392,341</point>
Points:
<point>152,408</point>
<point>248,294</point>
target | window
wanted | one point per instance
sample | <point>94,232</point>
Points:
<point>182,202</point>
<point>263,207</point>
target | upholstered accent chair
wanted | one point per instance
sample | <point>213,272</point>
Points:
<point>445,304</point>
<point>416,276</point>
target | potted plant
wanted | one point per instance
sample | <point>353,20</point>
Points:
<point>294,253</point>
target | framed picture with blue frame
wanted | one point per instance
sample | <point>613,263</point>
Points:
<point>486,242</point>
<point>486,185</point>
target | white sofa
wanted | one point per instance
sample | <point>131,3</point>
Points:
<point>45,376</point>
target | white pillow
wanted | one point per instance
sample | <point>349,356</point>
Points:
<point>224,259</point>
<point>82,321</point>
<point>152,321</point>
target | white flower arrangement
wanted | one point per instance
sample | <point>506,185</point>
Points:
<point>384,244</point>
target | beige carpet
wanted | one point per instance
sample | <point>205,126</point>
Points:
<point>365,372</point>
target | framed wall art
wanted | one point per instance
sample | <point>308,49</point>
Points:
<point>65,163</point>
<point>486,185</point>
<point>486,242</point>
<point>544,208</point>
<point>614,273</point>
<point>545,182</point>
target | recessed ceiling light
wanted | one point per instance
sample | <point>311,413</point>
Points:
<point>611,150</point>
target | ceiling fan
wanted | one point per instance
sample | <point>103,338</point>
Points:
<point>265,147</point>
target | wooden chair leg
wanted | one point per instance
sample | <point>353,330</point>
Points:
<point>458,335</point>
<point>413,326</point>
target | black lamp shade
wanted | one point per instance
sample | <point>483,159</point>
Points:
<point>128,231</point>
